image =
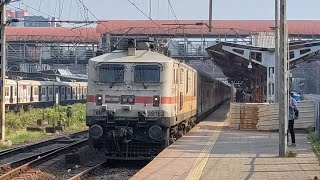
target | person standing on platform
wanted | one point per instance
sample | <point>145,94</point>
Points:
<point>238,96</point>
<point>243,96</point>
<point>293,109</point>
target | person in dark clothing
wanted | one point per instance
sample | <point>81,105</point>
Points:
<point>69,112</point>
<point>292,116</point>
<point>238,96</point>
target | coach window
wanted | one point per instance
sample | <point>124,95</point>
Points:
<point>43,91</point>
<point>194,85</point>
<point>181,76</point>
<point>6,91</point>
<point>36,91</point>
<point>177,76</point>
<point>174,77</point>
<point>62,90</point>
<point>29,91</point>
<point>187,82</point>
<point>84,90</point>
<point>50,91</point>
<point>181,100</point>
<point>14,91</point>
<point>74,91</point>
<point>68,91</point>
<point>146,74</point>
<point>111,73</point>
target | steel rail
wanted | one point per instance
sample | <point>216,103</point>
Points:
<point>28,166</point>
<point>85,174</point>
<point>20,149</point>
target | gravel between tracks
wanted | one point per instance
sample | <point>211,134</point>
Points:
<point>115,170</point>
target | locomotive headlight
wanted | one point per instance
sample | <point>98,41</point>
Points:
<point>95,131</point>
<point>98,99</point>
<point>124,100</point>
<point>131,100</point>
<point>156,101</point>
<point>127,99</point>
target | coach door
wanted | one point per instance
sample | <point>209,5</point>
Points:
<point>11,94</point>
<point>66,93</point>
<point>40,94</point>
<point>181,88</point>
<point>31,94</point>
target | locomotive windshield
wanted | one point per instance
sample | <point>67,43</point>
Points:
<point>146,74</point>
<point>111,73</point>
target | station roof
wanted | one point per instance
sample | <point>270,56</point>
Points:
<point>236,67</point>
<point>53,34</point>
<point>232,66</point>
<point>189,27</point>
<point>156,27</point>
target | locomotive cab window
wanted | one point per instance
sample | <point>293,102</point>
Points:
<point>111,73</point>
<point>146,74</point>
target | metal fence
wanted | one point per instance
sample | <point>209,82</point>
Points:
<point>316,99</point>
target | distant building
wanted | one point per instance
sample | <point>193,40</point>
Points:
<point>30,21</point>
<point>36,21</point>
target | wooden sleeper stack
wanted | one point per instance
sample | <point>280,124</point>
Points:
<point>243,116</point>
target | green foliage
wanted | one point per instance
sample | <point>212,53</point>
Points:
<point>291,154</point>
<point>25,137</point>
<point>315,141</point>
<point>16,123</point>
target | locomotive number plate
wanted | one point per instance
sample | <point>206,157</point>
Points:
<point>100,113</point>
<point>155,113</point>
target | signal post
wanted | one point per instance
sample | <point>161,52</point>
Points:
<point>3,70</point>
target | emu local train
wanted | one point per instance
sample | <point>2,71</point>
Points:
<point>26,93</point>
<point>140,101</point>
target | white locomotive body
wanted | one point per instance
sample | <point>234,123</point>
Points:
<point>137,104</point>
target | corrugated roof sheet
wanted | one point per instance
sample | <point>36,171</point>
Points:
<point>242,27</point>
<point>52,34</point>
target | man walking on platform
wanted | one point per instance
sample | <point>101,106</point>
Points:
<point>293,109</point>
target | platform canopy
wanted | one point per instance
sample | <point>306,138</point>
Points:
<point>234,59</point>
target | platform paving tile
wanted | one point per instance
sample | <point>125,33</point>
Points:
<point>212,151</point>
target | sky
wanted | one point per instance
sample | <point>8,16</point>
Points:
<point>184,9</point>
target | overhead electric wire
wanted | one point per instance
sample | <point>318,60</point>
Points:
<point>133,4</point>
<point>160,27</point>
<point>88,9</point>
<point>79,33</point>
<point>70,9</point>
<point>174,13</point>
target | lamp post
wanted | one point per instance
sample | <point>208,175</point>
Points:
<point>283,80</point>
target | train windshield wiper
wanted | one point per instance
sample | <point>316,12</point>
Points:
<point>142,82</point>
<point>116,79</point>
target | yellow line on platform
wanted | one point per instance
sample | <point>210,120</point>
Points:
<point>203,158</point>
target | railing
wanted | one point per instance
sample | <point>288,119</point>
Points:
<point>50,53</point>
<point>316,99</point>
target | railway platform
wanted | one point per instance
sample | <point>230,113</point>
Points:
<point>212,151</point>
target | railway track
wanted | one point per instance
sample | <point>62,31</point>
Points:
<point>20,161</point>
<point>86,173</point>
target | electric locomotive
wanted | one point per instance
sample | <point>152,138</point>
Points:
<point>139,101</point>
